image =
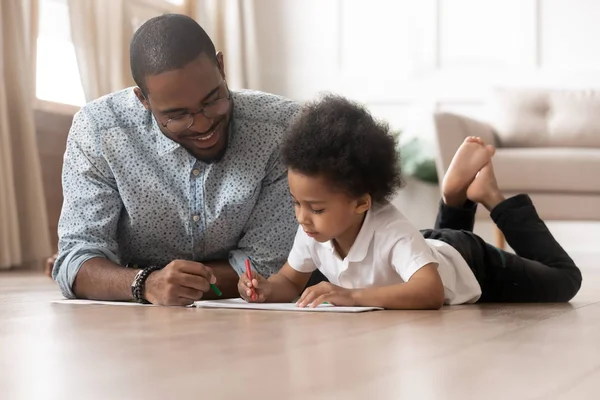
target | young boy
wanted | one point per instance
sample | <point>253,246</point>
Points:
<point>343,169</point>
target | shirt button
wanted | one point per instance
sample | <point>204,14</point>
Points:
<point>196,218</point>
<point>196,172</point>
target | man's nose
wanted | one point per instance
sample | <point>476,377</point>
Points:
<point>201,123</point>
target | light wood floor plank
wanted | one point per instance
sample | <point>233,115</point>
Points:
<point>63,351</point>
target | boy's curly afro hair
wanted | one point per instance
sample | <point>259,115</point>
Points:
<point>339,140</point>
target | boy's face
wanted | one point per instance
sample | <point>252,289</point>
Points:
<point>324,213</point>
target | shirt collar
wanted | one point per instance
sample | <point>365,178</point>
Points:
<point>164,145</point>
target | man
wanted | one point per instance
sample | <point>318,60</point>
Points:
<point>178,179</point>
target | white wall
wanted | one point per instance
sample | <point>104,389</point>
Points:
<point>404,57</point>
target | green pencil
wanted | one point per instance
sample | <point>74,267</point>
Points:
<point>216,290</point>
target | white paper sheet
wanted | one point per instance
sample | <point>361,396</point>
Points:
<point>109,303</point>
<point>234,303</point>
<point>241,304</point>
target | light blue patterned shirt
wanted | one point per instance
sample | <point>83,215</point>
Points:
<point>132,195</point>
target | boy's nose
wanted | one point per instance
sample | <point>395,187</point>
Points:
<point>302,218</point>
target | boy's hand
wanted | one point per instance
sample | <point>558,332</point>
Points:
<point>326,292</point>
<point>261,286</point>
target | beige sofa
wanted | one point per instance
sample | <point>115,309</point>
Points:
<point>548,145</point>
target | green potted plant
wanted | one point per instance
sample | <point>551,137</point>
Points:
<point>416,159</point>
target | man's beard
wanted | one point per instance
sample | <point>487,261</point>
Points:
<point>201,155</point>
<point>210,158</point>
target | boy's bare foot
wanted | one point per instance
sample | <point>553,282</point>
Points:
<point>470,157</point>
<point>484,188</point>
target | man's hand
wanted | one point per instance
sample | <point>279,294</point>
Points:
<point>180,283</point>
<point>261,286</point>
<point>326,292</point>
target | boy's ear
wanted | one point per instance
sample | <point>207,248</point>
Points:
<point>363,204</point>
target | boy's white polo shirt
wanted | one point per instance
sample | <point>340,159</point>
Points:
<point>388,250</point>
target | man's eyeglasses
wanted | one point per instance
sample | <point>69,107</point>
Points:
<point>211,110</point>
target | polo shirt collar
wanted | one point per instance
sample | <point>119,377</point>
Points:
<point>360,248</point>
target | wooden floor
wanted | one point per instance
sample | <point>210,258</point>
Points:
<point>63,351</point>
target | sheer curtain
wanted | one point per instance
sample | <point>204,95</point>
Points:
<point>24,236</point>
<point>101,31</point>
<point>232,26</point>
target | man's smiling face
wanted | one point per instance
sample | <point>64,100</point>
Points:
<point>192,106</point>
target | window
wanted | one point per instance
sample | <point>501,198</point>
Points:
<point>57,74</point>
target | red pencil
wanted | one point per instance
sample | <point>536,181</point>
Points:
<point>249,274</point>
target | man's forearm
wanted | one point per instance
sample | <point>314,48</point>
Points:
<point>101,279</point>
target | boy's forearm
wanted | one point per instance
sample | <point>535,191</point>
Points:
<point>283,290</point>
<point>403,296</point>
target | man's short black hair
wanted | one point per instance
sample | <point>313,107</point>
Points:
<point>166,43</point>
<point>341,141</point>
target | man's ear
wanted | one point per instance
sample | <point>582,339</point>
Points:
<point>363,204</point>
<point>221,64</point>
<point>140,95</point>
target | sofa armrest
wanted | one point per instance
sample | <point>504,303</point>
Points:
<point>450,131</point>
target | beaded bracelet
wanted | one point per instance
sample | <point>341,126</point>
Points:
<point>137,287</point>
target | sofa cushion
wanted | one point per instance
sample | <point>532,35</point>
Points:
<point>546,118</point>
<point>574,119</point>
<point>561,170</point>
